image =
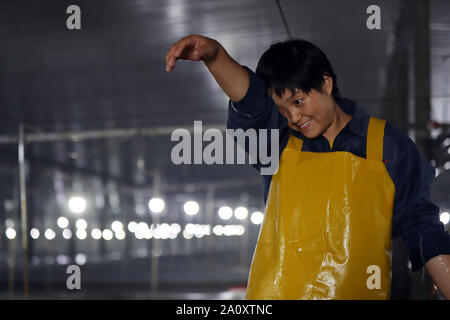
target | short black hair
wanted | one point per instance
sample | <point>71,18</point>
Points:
<point>295,63</point>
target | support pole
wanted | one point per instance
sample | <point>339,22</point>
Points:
<point>23,209</point>
<point>155,253</point>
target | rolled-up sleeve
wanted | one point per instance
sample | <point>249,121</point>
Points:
<point>416,217</point>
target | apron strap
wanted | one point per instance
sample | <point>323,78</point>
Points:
<point>375,135</point>
<point>294,143</point>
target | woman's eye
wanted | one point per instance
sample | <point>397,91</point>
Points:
<point>297,103</point>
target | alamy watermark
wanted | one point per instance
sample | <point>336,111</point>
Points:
<point>374,20</point>
<point>257,143</point>
<point>374,280</point>
<point>74,280</point>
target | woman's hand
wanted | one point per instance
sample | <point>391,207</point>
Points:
<point>193,47</point>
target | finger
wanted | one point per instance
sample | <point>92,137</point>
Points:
<point>171,57</point>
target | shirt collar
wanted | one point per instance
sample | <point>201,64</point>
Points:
<point>357,125</point>
<point>360,118</point>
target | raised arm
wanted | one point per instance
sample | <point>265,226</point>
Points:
<point>230,75</point>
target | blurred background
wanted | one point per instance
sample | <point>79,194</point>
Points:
<point>86,116</point>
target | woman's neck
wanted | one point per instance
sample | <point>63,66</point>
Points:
<point>340,119</point>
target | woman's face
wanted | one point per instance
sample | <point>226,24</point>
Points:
<point>311,114</point>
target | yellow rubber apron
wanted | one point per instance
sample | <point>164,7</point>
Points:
<point>327,228</point>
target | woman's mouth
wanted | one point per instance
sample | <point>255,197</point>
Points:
<point>305,126</point>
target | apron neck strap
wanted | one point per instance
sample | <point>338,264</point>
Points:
<point>294,143</point>
<point>375,135</point>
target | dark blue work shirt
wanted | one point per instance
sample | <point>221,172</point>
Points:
<point>415,217</point>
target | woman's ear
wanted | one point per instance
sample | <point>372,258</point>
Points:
<point>327,86</point>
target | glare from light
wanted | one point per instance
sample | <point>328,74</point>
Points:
<point>117,226</point>
<point>447,165</point>
<point>132,226</point>
<point>96,234</point>
<point>175,227</point>
<point>9,205</point>
<point>67,233</point>
<point>187,235</point>
<point>107,234</point>
<point>34,233</point>
<point>81,234</point>
<point>228,230</point>
<point>77,204</point>
<point>257,217</point>
<point>9,223</point>
<point>445,217</point>
<point>140,209</point>
<point>139,235</point>
<point>164,231</point>
<point>120,235</point>
<point>239,230</point>
<point>10,233</point>
<point>190,228</point>
<point>142,227</point>
<point>62,222</point>
<point>218,230</point>
<point>225,213</point>
<point>172,235</point>
<point>241,213</point>
<point>80,259</point>
<point>191,208</point>
<point>81,224</point>
<point>49,234</point>
<point>446,142</point>
<point>155,231</point>
<point>437,173</point>
<point>35,260</point>
<point>62,259</point>
<point>49,260</point>
<point>156,205</point>
<point>205,229</point>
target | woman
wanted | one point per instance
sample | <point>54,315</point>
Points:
<point>347,183</point>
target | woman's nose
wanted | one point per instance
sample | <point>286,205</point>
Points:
<point>295,118</point>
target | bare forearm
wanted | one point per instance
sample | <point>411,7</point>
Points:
<point>230,75</point>
<point>439,270</point>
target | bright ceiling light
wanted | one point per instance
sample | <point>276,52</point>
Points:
<point>156,205</point>
<point>225,213</point>
<point>62,222</point>
<point>120,235</point>
<point>96,234</point>
<point>132,226</point>
<point>49,234</point>
<point>77,204</point>
<point>67,234</point>
<point>117,226</point>
<point>241,213</point>
<point>257,217</point>
<point>81,224</point>
<point>81,234</point>
<point>445,217</point>
<point>107,234</point>
<point>34,233</point>
<point>10,233</point>
<point>191,208</point>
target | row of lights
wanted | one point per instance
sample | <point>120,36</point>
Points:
<point>141,230</point>
<point>191,208</point>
